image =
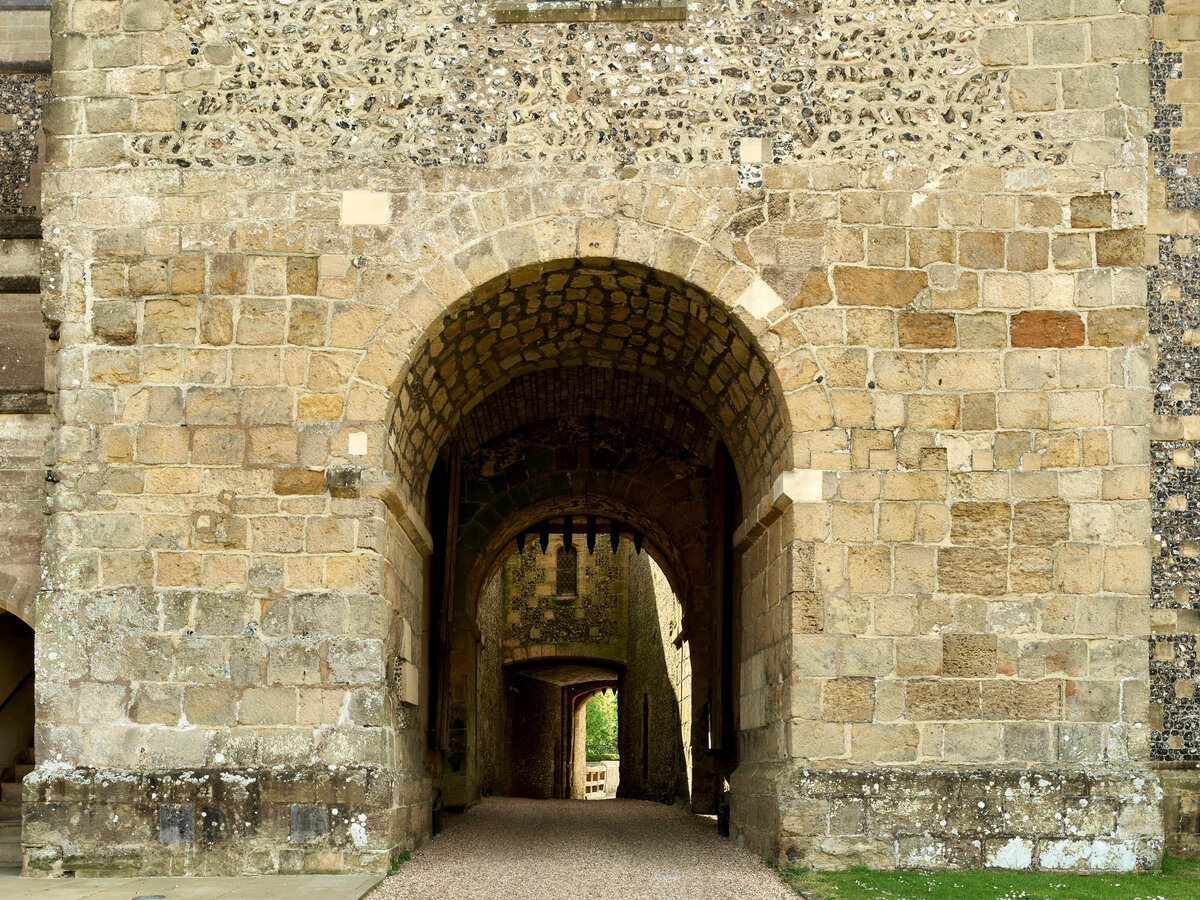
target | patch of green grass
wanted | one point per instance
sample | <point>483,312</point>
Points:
<point>1178,880</point>
<point>399,861</point>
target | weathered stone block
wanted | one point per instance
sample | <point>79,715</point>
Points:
<point>859,286</point>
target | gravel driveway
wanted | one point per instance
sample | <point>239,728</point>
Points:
<point>507,849</point>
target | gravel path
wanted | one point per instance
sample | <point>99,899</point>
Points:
<point>506,849</point>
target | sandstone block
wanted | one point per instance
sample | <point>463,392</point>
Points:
<point>1003,47</point>
<point>145,15</point>
<point>1120,247</point>
<point>115,323</point>
<point>861,286</point>
<point>302,275</point>
<point>937,700</point>
<point>1034,90</point>
<point>969,655</point>
<point>187,275</point>
<point>1004,700</point>
<point>1117,327</point>
<point>209,705</point>
<point>919,656</point>
<point>884,743</point>
<point>1040,523</point>
<point>228,274</point>
<point>926,331</point>
<point>299,481</point>
<point>1044,328</point>
<point>848,700</point>
<point>355,661</point>
<point>1059,44</point>
<point>1028,251</point>
<point>268,706</point>
<point>981,524</point>
<point>972,571</point>
<point>815,740</point>
<point>157,704</point>
<point>1091,211</point>
<point>1071,251</point>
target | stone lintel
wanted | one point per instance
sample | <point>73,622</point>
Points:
<point>591,11</point>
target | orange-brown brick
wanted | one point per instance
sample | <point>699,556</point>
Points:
<point>1045,328</point>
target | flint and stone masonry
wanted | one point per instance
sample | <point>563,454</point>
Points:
<point>877,321</point>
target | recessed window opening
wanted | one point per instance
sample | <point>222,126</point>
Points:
<point>567,572</point>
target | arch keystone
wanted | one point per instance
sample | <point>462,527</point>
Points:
<point>597,239</point>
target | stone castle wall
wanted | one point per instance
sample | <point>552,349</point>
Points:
<point>656,759</point>
<point>588,624</point>
<point>893,253</point>
<point>1173,294</point>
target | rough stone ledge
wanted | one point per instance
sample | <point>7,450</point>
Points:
<point>108,822</point>
<point>24,402</point>
<point>533,13</point>
<point>20,284</point>
<point>906,818</point>
<point>24,227</point>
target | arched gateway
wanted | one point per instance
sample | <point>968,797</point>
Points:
<point>592,387</point>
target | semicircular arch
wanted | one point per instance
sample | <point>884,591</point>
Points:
<point>720,297</point>
<point>579,314</point>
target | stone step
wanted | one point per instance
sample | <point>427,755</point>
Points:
<point>10,811</point>
<point>10,830</point>
<point>10,792</point>
<point>10,853</point>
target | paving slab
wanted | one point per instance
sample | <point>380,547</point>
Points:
<point>265,887</point>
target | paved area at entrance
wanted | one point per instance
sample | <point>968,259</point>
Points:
<point>559,849</point>
<point>282,887</point>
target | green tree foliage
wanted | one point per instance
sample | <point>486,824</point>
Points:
<point>602,726</point>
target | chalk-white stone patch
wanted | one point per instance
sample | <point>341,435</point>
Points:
<point>759,299</point>
<point>1097,855</point>
<point>365,208</point>
<point>1015,854</point>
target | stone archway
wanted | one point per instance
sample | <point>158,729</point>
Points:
<point>632,350</point>
<point>681,252</point>
<point>16,728</point>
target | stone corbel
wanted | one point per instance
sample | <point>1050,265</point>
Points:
<point>793,486</point>
<point>355,482</point>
